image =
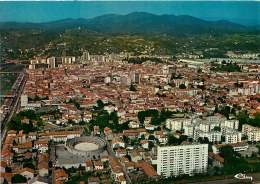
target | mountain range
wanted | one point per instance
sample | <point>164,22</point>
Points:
<point>136,23</point>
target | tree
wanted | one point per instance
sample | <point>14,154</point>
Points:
<point>30,114</point>
<point>216,110</point>
<point>232,162</point>
<point>142,137</point>
<point>226,67</point>
<point>165,114</point>
<point>102,119</point>
<point>17,178</point>
<point>183,138</point>
<point>77,104</point>
<point>113,116</point>
<point>100,104</point>
<point>121,127</point>
<point>176,76</point>
<point>71,122</point>
<point>203,140</point>
<point>82,123</point>
<point>151,137</point>
<point>132,87</point>
<point>150,145</point>
<point>255,121</point>
<point>8,169</point>
<point>126,139</point>
<point>29,165</point>
<point>148,113</point>
<point>182,86</point>
<point>172,140</point>
<point>216,128</point>
<point>226,111</point>
<point>244,118</point>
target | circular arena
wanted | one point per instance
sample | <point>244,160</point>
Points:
<point>87,146</point>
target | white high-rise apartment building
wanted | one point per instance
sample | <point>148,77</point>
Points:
<point>253,133</point>
<point>182,159</point>
<point>213,136</point>
<point>177,123</point>
<point>51,62</point>
<point>24,100</point>
<point>233,137</point>
<point>233,124</point>
<point>189,130</point>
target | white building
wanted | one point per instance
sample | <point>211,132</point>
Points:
<point>252,133</point>
<point>233,124</point>
<point>241,146</point>
<point>233,137</point>
<point>41,146</point>
<point>177,123</point>
<point>213,136</point>
<point>189,130</point>
<point>107,79</point>
<point>174,124</point>
<point>85,57</point>
<point>68,60</point>
<point>204,127</point>
<point>51,62</point>
<point>214,119</point>
<point>135,77</point>
<point>182,159</point>
<point>24,100</point>
<point>133,124</point>
<point>58,136</point>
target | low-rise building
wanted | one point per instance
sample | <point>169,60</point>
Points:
<point>89,165</point>
<point>241,146</point>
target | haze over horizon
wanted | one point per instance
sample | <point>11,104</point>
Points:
<point>208,10</point>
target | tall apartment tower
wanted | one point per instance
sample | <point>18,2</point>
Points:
<point>183,159</point>
<point>24,100</point>
<point>135,77</point>
<point>51,62</point>
<point>85,57</point>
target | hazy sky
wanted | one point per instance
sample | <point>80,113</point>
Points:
<point>246,12</point>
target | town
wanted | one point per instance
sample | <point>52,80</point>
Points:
<point>120,118</point>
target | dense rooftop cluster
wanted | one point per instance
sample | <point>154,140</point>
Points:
<point>152,117</point>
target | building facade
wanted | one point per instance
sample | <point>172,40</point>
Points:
<point>182,159</point>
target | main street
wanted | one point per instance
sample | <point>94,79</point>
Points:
<point>111,152</point>
<point>13,103</point>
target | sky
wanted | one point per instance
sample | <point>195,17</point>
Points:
<point>242,12</point>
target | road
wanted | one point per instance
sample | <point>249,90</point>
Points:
<point>230,180</point>
<point>52,162</point>
<point>225,181</point>
<point>13,104</point>
<point>111,152</point>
